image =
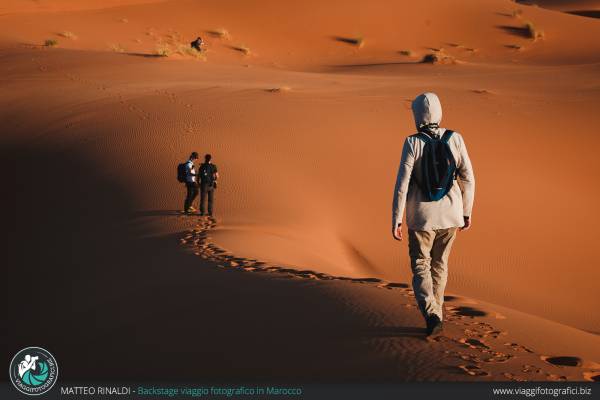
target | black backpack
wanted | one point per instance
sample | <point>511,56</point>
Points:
<point>207,173</point>
<point>182,172</point>
<point>438,167</point>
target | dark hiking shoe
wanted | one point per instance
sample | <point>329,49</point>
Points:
<point>434,325</point>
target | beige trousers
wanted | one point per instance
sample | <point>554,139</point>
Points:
<point>429,252</point>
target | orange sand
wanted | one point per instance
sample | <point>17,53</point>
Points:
<point>308,171</point>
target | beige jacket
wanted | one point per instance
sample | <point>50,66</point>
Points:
<point>428,215</point>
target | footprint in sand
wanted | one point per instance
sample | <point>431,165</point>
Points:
<point>473,370</point>
<point>472,358</point>
<point>563,361</point>
<point>466,311</point>
<point>472,333</point>
<point>518,347</point>
<point>394,285</point>
<point>473,343</point>
<point>531,369</point>
<point>557,378</point>
<point>513,377</point>
<point>592,376</point>
<point>442,339</point>
<point>498,357</point>
<point>365,280</point>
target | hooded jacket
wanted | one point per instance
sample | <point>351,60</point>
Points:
<point>449,211</point>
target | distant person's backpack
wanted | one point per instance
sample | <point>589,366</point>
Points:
<point>182,172</point>
<point>207,174</point>
<point>438,167</point>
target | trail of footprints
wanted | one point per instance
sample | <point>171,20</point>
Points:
<point>480,347</point>
<point>137,110</point>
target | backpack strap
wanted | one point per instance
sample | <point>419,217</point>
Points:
<point>447,135</point>
<point>424,137</point>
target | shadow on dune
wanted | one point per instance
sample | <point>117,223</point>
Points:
<point>156,213</point>
<point>110,303</point>
<point>516,30</point>
<point>586,13</point>
<point>348,40</point>
<point>397,331</point>
<point>145,55</point>
<point>371,65</point>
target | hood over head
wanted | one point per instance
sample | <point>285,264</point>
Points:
<point>427,111</point>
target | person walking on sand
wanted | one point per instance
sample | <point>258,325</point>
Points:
<point>208,183</point>
<point>436,185</point>
<point>191,183</point>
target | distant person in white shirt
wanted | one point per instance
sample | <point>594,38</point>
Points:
<point>191,184</point>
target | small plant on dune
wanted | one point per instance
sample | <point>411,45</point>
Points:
<point>407,53</point>
<point>438,57</point>
<point>532,32</point>
<point>68,35</point>
<point>163,50</point>
<point>50,43</point>
<point>517,13</point>
<point>279,89</point>
<point>116,47</point>
<point>457,46</point>
<point>358,41</point>
<point>124,20</point>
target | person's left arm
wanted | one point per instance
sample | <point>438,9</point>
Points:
<point>467,183</point>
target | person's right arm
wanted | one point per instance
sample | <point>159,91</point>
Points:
<point>401,189</point>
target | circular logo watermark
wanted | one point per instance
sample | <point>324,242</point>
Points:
<point>33,371</point>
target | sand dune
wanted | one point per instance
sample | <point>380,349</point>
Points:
<point>584,8</point>
<point>306,130</point>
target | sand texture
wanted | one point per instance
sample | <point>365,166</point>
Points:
<point>304,107</point>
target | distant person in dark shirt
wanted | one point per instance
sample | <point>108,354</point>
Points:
<point>208,183</point>
<point>197,44</point>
